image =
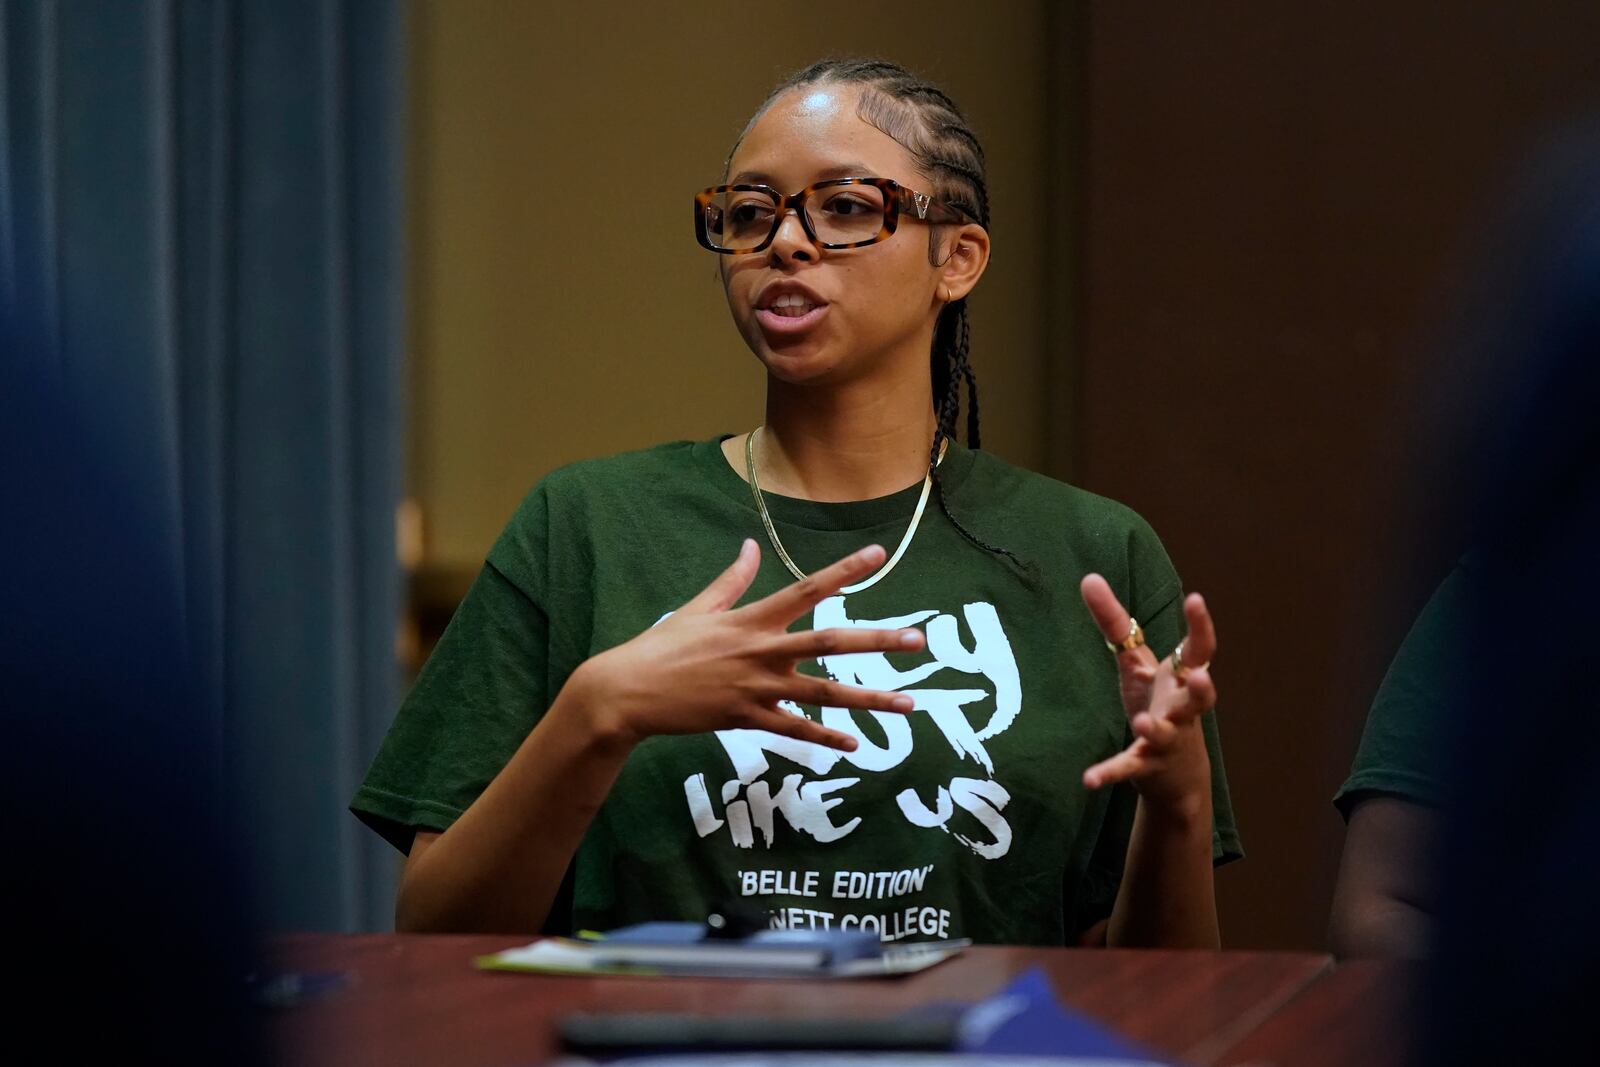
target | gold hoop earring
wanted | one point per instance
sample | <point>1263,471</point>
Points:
<point>945,299</point>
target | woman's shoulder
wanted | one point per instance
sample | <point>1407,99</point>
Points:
<point>1069,529</point>
<point>642,480</point>
<point>588,493</point>
<point>636,471</point>
<point>1017,491</point>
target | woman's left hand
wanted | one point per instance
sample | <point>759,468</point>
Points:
<point>1167,762</point>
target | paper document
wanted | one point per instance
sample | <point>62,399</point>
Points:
<point>721,959</point>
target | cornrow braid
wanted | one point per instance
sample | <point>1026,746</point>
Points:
<point>949,412</point>
<point>929,125</point>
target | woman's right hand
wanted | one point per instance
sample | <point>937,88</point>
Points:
<point>710,666</point>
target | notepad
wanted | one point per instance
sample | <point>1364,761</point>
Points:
<point>670,944</point>
<point>685,949</point>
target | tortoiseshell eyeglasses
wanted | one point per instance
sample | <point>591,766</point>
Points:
<point>840,213</point>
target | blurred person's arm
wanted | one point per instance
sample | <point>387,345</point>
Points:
<point>1384,901</point>
<point>1383,904</point>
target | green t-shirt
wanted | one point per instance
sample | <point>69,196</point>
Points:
<point>1401,750</point>
<point>967,818</point>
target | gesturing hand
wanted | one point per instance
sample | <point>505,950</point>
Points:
<point>714,667</point>
<point>1167,761</point>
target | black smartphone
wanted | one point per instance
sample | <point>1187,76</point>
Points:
<point>665,1031</point>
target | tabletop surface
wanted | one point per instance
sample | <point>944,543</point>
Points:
<point>417,999</point>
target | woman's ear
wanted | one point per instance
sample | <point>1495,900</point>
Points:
<point>967,256</point>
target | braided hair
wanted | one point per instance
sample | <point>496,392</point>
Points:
<point>928,125</point>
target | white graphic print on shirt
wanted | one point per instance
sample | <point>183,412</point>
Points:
<point>748,804</point>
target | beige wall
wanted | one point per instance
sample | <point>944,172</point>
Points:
<point>541,335</point>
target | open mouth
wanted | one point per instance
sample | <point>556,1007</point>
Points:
<point>789,314</point>
<point>791,306</point>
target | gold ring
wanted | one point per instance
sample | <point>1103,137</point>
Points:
<point>1179,668</point>
<point>1134,639</point>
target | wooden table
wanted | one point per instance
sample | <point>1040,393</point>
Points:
<point>1355,1013</point>
<point>415,999</point>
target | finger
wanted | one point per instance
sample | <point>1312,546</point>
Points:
<point>1201,644</point>
<point>1196,696</point>
<point>1155,729</point>
<point>803,729</point>
<point>1109,614</point>
<point>791,602</point>
<point>1140,669</point>
<point>804,689</point>
<point>1119,768</point>
<point>726,588</point>
<point>795,600</point>
<point>840,640</point>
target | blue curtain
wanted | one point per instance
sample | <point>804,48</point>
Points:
<point>201,203</point>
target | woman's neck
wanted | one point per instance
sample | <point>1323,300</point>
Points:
<point>856,442</point>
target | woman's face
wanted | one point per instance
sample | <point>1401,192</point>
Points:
<point>875,305</point>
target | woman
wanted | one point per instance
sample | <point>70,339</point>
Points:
<point>961,765</point>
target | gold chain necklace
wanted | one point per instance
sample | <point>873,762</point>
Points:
<point>772,533</point>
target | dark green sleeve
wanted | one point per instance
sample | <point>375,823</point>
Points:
<point>479,695</point>
<point>1400,747</point>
